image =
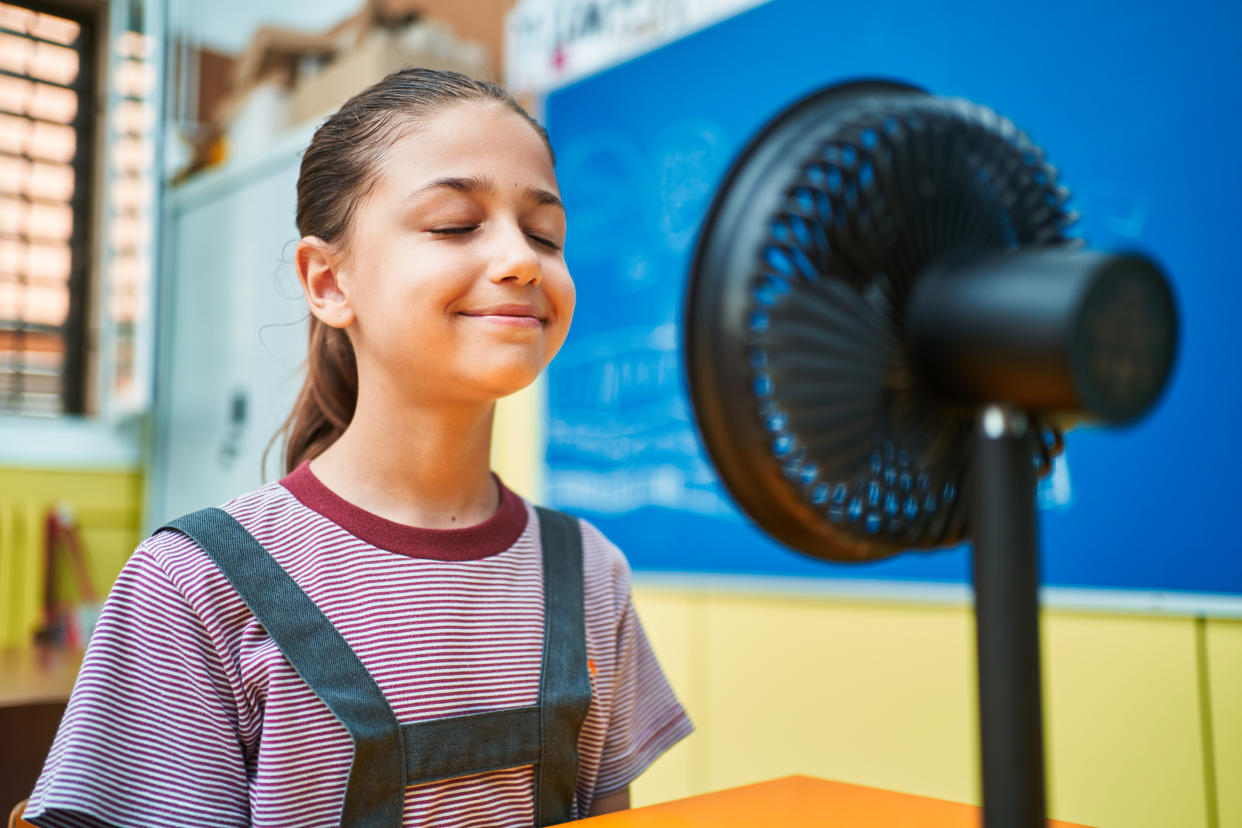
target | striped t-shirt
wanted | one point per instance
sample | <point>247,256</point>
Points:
<point>186,713</point>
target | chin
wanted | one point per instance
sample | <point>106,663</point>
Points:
<point>503,381</point>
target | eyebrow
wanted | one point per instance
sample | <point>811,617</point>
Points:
<point>474,184</point>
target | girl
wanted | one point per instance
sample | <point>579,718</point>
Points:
<point>388,635</point>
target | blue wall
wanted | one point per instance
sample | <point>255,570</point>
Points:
<point>1138,107</point>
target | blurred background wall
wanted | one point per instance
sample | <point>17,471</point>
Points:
<point>152,334</point>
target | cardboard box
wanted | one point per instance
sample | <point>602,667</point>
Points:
<point>267,68</point>
<point>277,51</point>
<point>285,77</point>
<point>479,21</point>
<point>380,51</point>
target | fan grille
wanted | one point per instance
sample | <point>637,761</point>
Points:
<point>900,186</point>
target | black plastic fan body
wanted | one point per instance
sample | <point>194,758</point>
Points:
<point>885,325</point>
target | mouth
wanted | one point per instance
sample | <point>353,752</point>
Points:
<point>513,315</point>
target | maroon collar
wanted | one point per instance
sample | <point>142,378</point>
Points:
<point>491,537</point>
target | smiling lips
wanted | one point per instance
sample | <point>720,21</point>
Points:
<point>520,316</point>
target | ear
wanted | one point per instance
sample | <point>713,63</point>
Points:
<point>318,264</point>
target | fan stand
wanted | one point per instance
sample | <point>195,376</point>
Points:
<point>1006,580</point>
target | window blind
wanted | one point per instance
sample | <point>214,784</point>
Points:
<point>46,96</point>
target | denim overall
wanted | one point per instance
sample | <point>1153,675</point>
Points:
<point>390,756</point>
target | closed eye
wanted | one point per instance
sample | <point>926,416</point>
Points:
<point>462,230</point>
<point>548,243</point>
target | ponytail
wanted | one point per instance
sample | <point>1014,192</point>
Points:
<point>325,405</point>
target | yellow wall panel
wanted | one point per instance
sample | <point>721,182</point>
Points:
<point>108,549</point>
<point>102,492</point>
<point>21,570</point>
<point>674,622</point>
<point>1224,670</point>
<point>517,436</point>
<point>1123,727</point>
<point>880,696</point>
<point>884,695</point>
<point>108,507</point>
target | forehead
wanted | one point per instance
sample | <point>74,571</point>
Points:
<point>468,139</point>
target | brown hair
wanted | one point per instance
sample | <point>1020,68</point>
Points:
<point>339,169</point>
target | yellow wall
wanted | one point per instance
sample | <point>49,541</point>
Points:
<point>1126,744</point>
<point>884,695</point>
<point>517,434</point>
<point>1223,668</point>
<point>108,505</point>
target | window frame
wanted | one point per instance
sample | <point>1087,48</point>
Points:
<point>112,430</point>
<point>76,330</point>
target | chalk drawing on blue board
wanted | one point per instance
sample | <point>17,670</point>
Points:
<point>688,155</point>
<point>622,431</point>
<point>1113,215</point>
<point>1130,225</point>
<point>603,175</point>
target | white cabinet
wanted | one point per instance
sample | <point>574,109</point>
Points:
<point>232,333</point>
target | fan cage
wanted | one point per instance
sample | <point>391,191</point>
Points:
<point>899,186</point>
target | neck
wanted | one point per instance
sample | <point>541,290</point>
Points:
<point>425,466</point>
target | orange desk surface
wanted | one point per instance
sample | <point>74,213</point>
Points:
<point>797,801</point>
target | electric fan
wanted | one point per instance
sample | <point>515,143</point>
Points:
<point>886,330</point>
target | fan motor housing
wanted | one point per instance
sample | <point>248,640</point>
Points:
<point>1063,330</point>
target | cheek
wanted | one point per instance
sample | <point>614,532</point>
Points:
<point>563,295</point>
<point>421,278</point>
<point>561,291</point>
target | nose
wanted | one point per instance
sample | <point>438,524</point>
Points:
<point>514,258</point>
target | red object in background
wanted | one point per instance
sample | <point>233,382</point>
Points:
<point>65,624</point>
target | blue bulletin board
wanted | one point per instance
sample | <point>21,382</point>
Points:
<point>1139,105</point>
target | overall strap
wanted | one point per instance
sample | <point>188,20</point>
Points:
<point>545,735</point>
<point>565,685</point>
<point>375,794</point>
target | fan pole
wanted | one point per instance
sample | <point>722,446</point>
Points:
<point>1007,621</point>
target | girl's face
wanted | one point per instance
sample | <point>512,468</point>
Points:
<point>454,271</point>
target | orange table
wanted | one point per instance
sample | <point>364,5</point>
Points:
<point>801,802</point>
